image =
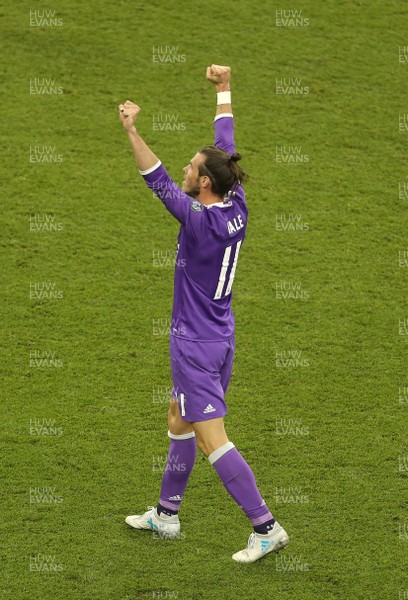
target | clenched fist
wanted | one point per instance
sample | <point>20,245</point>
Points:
<point>128,114</point>
<point>219,75</point>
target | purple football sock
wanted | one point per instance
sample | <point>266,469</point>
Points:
<point>239,481</point>
<point>180,463</point>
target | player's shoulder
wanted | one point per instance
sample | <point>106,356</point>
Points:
<point>196,206</point>
<point>218,221</point>
<point>226,219</point>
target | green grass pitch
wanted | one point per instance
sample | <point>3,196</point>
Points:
<point>322,275</point>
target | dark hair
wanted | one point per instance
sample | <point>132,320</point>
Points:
<point>222,169</point>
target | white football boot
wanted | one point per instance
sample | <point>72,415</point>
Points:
<point>260,545</point>
<point>166,527</point>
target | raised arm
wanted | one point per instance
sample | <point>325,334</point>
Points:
<point>145,158</point>
<point>153,172</point>
<point>220,76</point>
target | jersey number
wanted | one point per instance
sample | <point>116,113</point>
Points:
<point>224,268</point>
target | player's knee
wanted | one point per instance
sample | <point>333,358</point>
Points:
<point>172,414</point>
<point>202,445</point>
<point>175,423</point>
<point>172,420</point>
<point>209,444</point>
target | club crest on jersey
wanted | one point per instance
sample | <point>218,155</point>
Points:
<point>235,225</point>
<point>196,206</point>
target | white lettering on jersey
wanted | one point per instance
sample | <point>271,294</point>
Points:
<point>223,272</point>
<point>235,225</point>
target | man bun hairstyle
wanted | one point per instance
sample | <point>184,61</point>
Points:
<point>222,169</point>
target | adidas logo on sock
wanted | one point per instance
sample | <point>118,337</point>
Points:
<point>209,409</point>
<point>177,498</point>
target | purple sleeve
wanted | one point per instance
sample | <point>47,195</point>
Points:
<point>224,132</point>
<point>224,138</point>
<point>182,206</point>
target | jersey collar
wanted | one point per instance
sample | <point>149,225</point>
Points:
<point>219,204</point>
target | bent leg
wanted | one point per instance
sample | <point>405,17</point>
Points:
<point>234,472</point>
<point>210,434</point>
<point>176,424</point>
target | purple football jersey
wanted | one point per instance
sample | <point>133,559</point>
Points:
<point>209,242</point>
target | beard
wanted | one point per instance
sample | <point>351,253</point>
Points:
<point>192,189</point>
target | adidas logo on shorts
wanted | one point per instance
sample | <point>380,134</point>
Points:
<point>209,409</point>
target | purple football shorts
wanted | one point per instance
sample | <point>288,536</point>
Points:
<point>201,374</point>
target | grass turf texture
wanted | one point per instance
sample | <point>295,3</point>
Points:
<point>349,537</point>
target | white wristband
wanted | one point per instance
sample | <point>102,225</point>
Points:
<point>223,98</point>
